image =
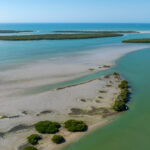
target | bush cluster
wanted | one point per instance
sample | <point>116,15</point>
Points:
<point>115,74</point>
<point>120,106</point>
<point>34,138</point>
<point>123,84</point>
<point>47,127</point>
<point>145,40</point>
<point>123,98</point>
<point>75,125</point>
<point>30,148</point>
<point>58,139</point>
<point>59,36</point>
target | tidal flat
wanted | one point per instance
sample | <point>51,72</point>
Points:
<point>47,86</point>
<point>60,105</point>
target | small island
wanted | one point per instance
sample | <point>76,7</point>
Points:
<point>137,41</point>
<point>15,31</point>
<point>92,31</point>
<point>58,36</point>
<point>105,97</point>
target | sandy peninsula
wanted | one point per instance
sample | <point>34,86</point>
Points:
<point>90,101</point>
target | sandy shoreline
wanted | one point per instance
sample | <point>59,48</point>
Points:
<point>91,102</point>
<point>47,72</point>
<point>28,109</point>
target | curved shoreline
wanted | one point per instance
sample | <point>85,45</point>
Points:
<point>132,50</point>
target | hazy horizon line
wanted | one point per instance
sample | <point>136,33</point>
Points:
<point>83,22</point>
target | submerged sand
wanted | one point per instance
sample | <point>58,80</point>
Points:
<point>91,101</point>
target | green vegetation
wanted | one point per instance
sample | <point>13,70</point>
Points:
<point>115,74</point>
<point>123,98</point>
<point>58,139</point>
<point>34,138</point>
<point>58,36</point>
<point>92,31</point>
<point>75,125</point>
<point>123,84</point>
<point>119,106</point>
<point>137,41</point>
<point>47,127</point>
<point>14,31</point>
<point>30,148</point>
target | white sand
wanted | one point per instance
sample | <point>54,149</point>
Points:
<point>61,69</point>
<point>99,93</point>
<point>17,80</point>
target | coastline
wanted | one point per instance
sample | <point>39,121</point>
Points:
<point>25,84</point>
<point>94,109</point>
<point>77,136</point>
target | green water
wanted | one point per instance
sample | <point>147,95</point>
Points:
<point>131,131</point>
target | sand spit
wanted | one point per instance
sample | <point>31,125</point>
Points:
<point>91,101</point>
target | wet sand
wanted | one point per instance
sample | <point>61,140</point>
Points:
<point>95,97</point>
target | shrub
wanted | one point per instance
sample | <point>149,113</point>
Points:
<point>34,138</point>
<point>120,106</point>
<point>123,84</point>
<point>124,95</point>
<point>30,148</point>
<point>58,139</point>
<point>75,125</point>
<point>115,74</point>
<point>47,127</point>
<point>123,98</point>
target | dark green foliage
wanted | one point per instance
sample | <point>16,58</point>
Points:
<point>14,31</point>
<point>47,127</point>
<point>58,139</point>
<point>124,95</point>
<point>115,74</point>
<point>30,148</point>
<point>34,138</point>
<point>75,125</point>
<point>78,31</point>
<point>58,36</point>
<point>119,106</point>
<point>123,84</point>
<point>123,98</point>
<point>137,41</point>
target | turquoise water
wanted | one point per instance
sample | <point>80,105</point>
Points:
<point>131,131</point>
<point>12,53</point>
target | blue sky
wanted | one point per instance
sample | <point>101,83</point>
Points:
<point>75,11</point>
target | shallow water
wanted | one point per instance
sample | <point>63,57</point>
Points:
<point>131,130</point>
<point>22,52</point>
<point>128,132</point>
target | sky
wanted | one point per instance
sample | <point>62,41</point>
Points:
<point>117,11</point>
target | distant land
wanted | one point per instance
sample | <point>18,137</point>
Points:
<point>14,31</point>
<point>137,41</point>
<point>92,31</point>
<point>63,35</point>
<point>59,36</point>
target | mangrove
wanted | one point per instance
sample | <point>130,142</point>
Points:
<point>136,41</point>
<point>48,127</point>
<point>14,31</point>
<point>58,36</point>
<point>123,98</point>
<point>58,139</point>
<point>92,31</point>
<point>34,139</point>
<point>75,126</point>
